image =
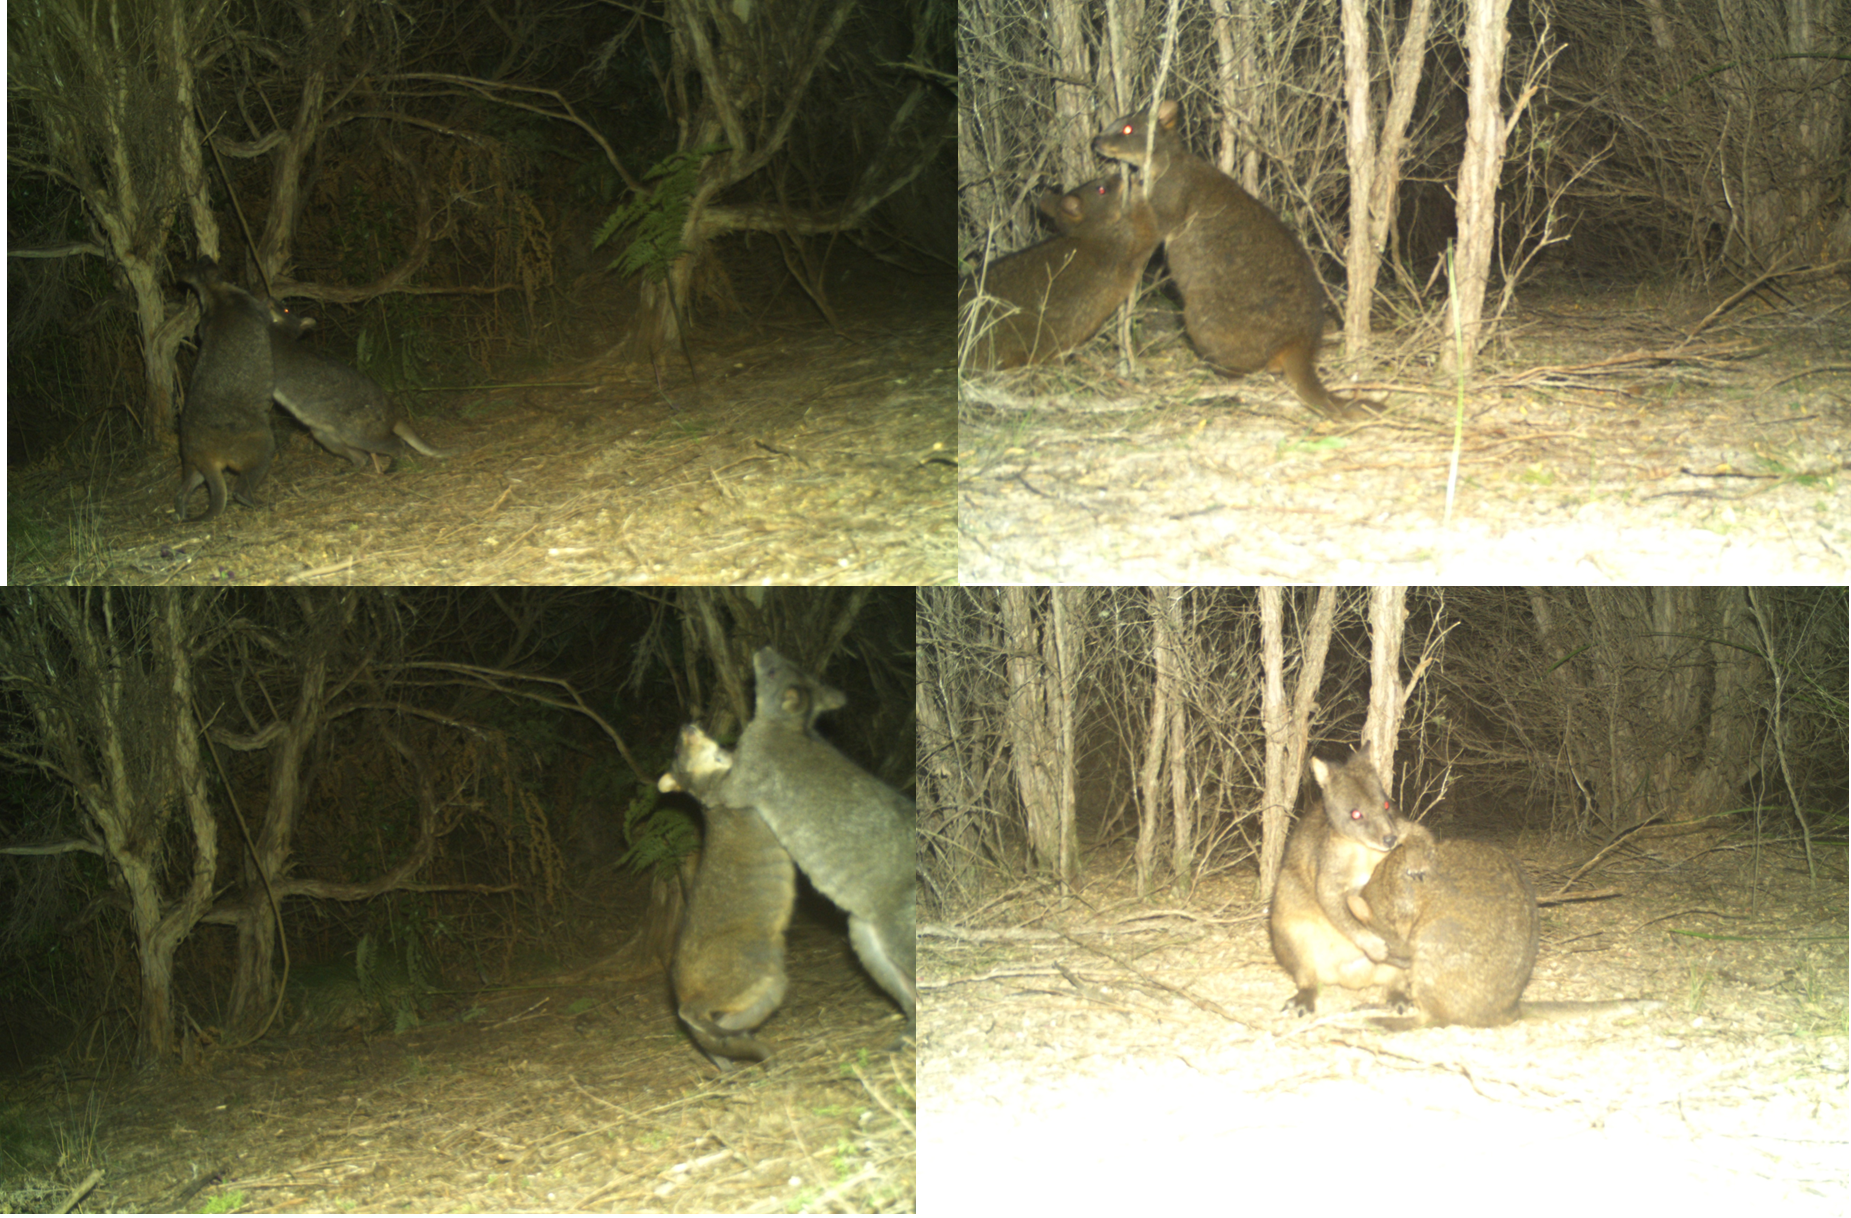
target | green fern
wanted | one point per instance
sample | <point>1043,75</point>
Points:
<point>657,833</point>
<point>658,217</point>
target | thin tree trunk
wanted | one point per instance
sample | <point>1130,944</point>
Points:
<point>1486,40</point>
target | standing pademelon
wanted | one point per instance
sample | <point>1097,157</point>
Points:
<point>852,834</point>
<point>1330,855</point>
<point>1251,299</point>
<point>225,424</point>
<point>729,957</point>
<point>1464,915</point>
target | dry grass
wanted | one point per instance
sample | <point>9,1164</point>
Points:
<point>564,1093</point>
<point>801,456</point>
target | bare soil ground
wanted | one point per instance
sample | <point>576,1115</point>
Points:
<point>1601,443</point>
<point>1160,1075</point>
<point>802,456</point>
<point>575,1093</point>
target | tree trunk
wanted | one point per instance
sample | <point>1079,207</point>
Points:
<point>1486,40</point>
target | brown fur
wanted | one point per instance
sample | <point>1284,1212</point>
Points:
<point>347,411</point>
<point>1250,298</point>
<point>1464,915</point>
<point>225,424</point>
<point>1330,855</point>
<point>729,959</point>
<point>1052,297</point>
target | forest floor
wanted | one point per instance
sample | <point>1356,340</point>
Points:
<point>1612,434</point>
